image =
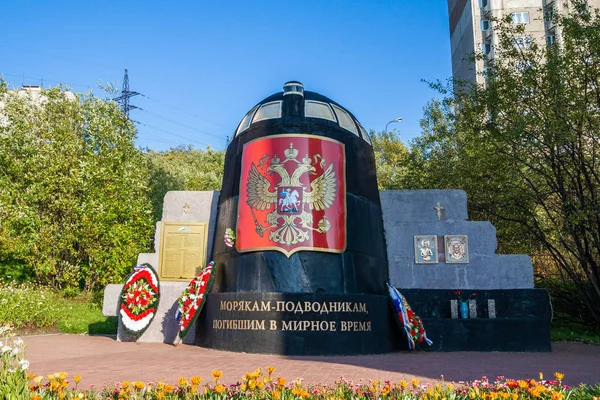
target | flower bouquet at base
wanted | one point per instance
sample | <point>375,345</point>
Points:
<point>138,301</point>
<point>191,301</point>
<point>407,320</point>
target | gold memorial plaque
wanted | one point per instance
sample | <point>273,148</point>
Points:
<point>182,250</point>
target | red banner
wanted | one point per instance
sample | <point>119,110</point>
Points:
<point>292,195</point>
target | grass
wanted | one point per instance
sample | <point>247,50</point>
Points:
<point>81,315</point>
<point>31,309</point>
<point>568,332</point>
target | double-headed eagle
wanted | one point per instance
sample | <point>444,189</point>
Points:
<point>262,194</point>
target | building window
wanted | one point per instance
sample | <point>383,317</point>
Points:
<point>268,111</point>
<point>485,24</point>
<point>345,119</point>
<point>522,42</point>
<point>318,109</point>
<point>486,48</point>
<point>520,18</point>
<point>483,3</point>
<point>521,66</point>
<point>551,39</point>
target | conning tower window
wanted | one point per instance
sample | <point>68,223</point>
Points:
<point>318,109</point>
<point>268,111</point>
<point>245,124</point>
<point>345,119</point>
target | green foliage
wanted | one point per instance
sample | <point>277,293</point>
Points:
<point>73,198</point>
<point>183,168</point>
<point>390,159</point>
<point>525,148</point>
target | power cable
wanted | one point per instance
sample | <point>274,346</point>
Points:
<point>172,134</point>
<point>182,125</point>
<point>186,112</point>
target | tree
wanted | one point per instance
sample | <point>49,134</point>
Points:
<point>183,168</point>
<point>390,159</point>
<point>74,210</point>
<point>525,146</point>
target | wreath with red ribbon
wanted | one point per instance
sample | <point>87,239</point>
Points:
<point>139,299</point>
<point>406,318</point>
<point>192,299</point>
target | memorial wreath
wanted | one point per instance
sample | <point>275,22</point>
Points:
<point>192,299</point>
<point>138,301</point>
<point>407,319</point>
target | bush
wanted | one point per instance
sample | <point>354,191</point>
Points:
<point>74,206</point>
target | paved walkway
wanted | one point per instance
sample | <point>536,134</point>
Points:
<point>101,360</point>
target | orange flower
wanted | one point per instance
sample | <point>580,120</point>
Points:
<point>270,370</point>
<point>522,384</point>
<point>138,385</point>
<point>216,374</point>
<point>219,388</point>
<point>280,382</point>
<point>125,384</point>
<point>182,381</point>
<point>559,377</point>
<point>557,396</point>
<point>196,380</point>
<point>77,379</point>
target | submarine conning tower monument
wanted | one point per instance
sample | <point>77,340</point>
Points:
<point>307,270</point>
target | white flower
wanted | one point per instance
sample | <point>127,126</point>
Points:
<point>15,351</point>
<point>24,364</point>
<point>5,349</point>
<point>18,341</point>
<point>4,122</point>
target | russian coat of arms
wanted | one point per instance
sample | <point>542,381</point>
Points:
<point>292,195</point>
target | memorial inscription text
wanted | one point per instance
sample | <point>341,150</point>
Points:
<point>294,316</point>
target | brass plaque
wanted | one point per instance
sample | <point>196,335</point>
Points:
<point>182,250</point>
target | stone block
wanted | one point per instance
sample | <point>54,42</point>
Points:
<point>110,302</point>
<point>191,206</point>
<point>149,258</point>
<point>420,205</point>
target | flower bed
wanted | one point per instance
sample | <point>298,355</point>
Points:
<point>259,385</point>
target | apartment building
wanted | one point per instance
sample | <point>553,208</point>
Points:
<point>472,29</point>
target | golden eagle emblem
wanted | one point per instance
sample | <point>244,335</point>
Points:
<point>291,221</point>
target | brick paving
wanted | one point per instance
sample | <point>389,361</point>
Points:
<point>101,360</point>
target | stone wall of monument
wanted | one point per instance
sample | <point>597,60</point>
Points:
<point>441,213</point>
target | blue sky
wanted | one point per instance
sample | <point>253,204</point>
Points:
<point>202,65</point>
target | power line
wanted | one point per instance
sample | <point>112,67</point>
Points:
<point>182,125</point>
<point>186,112</point>
<point>171,133</point>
